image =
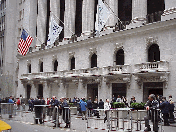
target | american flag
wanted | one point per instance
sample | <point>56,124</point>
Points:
<point>24,43</point>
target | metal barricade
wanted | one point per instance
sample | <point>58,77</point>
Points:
<point>121,119</point>
<point>7,109</point>
<point>66,116</point>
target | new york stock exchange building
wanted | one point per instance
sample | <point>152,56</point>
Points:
<point>134,55</point>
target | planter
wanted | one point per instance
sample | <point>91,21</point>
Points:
<point>73,110</point>
<point>141,114</point>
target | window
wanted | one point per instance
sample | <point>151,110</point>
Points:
<point>94,60</point>
<point>153,53</point>
<point>29,68</point>
<point>41,66</point>
<point>120,57</point>
<point>55,65</point>
<point>72,63</point>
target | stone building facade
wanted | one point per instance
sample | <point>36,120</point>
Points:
<point>133,59</point>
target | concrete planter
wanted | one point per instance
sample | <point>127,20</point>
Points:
<point>141,114</point>
<point>73,110</point>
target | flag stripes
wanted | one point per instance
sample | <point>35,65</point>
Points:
<point>24,43</point>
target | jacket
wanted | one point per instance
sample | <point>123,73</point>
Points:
<point>165,107</point>
<point>83,105</point>
<point>101,105</point>
<point>89,104</point>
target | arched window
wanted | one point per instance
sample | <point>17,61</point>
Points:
<point>72,63</point>
<point>153,53</point>
<point>55,65</point>
<point>94,60</point>
<point>29,68</point>
<point>41,66</point>
<point>120,57</point>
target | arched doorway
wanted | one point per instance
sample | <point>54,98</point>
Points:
<point>41,66</point>
<point>28,91</point>
<point>40,90</point>
<point>153,53</point>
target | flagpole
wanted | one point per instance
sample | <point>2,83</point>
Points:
<point>62,23</point>
<point>113,13</point>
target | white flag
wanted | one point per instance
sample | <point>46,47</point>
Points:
<point>102,15</point>
<point>54,31</point>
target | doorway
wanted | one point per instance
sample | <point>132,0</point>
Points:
<point>40,90</point>
<point>92,91</point>
<point>155,88</point>
<point>119,89</point>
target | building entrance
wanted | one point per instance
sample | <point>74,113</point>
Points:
<point>152,88</point>
<point>92,91</point>
<point>119,89</point>
<point>40,90</point>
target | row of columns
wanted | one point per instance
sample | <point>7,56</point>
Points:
<point>139,12</point>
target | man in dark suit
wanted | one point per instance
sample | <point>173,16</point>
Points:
<point>89,106</point>
<point>165,110</point>
<point>38,110</point>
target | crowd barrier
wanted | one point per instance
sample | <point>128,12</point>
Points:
<point>125,119</point>
<point>7,109</point>
<point>55,115</point>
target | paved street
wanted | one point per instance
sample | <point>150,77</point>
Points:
<point>25,121</point>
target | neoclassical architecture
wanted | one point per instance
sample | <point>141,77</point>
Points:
<point>134,57</point>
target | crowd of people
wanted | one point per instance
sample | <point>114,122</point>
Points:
<point>88,107</point>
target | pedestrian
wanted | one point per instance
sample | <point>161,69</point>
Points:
<point>113,98</point>
<point>101,106</point>
<point>89,106</point>
<point>38,110</point>
<point>66,112</point>
<point>30,104</point>
<point>171,112</point>
<point>151,105</point>
<point>107,106</point>
<point>165,111</point>
<point>54,104</point>
<point>118,99</point>
<point>10,100</point>
<point>83,106</point>
<point>18,104</point>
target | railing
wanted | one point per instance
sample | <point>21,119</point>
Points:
<point>118,69</point>
<point>157,66</point>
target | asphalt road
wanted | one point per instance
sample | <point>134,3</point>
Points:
<point>22,127</point>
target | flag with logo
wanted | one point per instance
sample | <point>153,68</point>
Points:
<point>102,15</point>
<point>54,31</point>
<point>24,43</point>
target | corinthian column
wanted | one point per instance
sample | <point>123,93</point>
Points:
<point>55,8</point>
<point>88,16</point>
<point>112,5</point>
<point>70,11</point>
<point>41,21</point>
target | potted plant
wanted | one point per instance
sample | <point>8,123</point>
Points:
<point>137,106</point>
<point>118,105</point>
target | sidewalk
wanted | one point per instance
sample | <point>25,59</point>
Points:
<point>93,124</point>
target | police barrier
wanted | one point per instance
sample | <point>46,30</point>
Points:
<point>7,108</point>
<point>59,116</point>
<point>127,120</point>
